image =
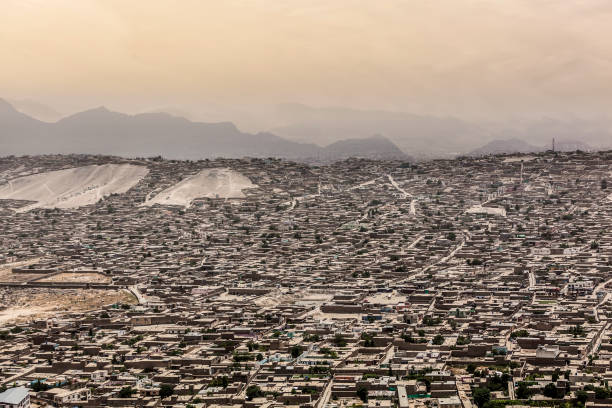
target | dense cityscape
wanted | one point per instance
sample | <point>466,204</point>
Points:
<point>474,282</point>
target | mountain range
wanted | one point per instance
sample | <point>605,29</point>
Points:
<point>100,131</point>
<point>296,132</point>
<point>506,146</point>
<point>417,134</point>
<point>426,136</point>
<point>502,146</point>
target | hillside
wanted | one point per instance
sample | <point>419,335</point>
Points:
<point>100,131</point>
<point>376,147</point>
<point>505,146</point>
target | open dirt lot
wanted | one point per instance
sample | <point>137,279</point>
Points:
<point>77,277</point>
<point>6,274</point>
<point>19,305</point>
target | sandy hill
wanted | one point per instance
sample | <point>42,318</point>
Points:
<point>100,131</point>
<point>73,188</point>
<point>211,183</point>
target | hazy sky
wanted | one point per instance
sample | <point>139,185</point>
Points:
<point>453,57</point>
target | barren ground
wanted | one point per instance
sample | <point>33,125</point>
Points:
<point>6,274</point>
<point>77,277</point>
<point>18,305</point>
<point>218,182</point>
<point>74,187</point>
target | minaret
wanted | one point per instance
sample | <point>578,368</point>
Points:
<point>553,146</point>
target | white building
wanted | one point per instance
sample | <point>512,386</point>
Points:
<point>584,285</point>
<point>450,402</point>
<point>63,396</point>
<point>547,352</point>
<point>18,397</point>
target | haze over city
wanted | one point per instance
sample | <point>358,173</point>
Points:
<point>498,65</point>
<point>305,204</point>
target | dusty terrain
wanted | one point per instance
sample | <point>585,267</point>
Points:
<point>29,304</point>
<point>73,188</point>
<point>276,299</point>
<point>6,274</point>
<point>387,298</point>
<point>77,277</point>
<point>211,183</point>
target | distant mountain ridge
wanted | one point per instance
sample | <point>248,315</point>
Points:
<point>502,146</point>
<point>410,132</point>
<point>300,134</point>
<point>505,146</point>
<point>427,136</point>
<point>375,147</point>
<point>36,110</point>
<point>101,131</point>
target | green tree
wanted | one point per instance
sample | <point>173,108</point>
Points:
<point>523,391</point>
<point>519,333</point>
<point>582,396</point>
<point>362,393</point>
<point>339,340</point>
<point>461,340</point>
<point>602,393</point>
<point>438,340</point>
<point>39,386</point>
<point>253,391</point>
<point>296,351</point>
<point>482,396</point>
<point>550,390</point>
<point>555,375</point>
<point>166,390</point>
<point>126,392</point>
<point>219,382</point>
<point>368,341</point>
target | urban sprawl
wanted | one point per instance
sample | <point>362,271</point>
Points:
<point>474,282</point>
